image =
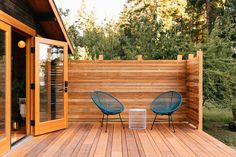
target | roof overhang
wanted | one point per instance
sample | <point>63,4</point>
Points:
<point>48,20</point>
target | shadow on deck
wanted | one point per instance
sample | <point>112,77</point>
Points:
<point>91,140</point>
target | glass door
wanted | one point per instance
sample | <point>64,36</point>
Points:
<point>51,68</point>
<point>5,86</point>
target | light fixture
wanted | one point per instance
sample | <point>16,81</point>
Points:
<point>21,44</point>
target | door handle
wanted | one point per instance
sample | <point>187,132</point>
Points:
<point>66,86</point>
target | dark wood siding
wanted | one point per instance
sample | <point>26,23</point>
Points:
<point>20,10</point>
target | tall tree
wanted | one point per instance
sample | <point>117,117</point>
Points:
<point>203,14</point>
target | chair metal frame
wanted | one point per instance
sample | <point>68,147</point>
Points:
<point>99,105</point>
<point>170,119</point>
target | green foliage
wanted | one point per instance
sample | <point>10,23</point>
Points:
<point>162,30</point>
<point>216,124</point>
<point>171,43</point>
<point>142,32</point>
<point>203,14</point>
<point>219,83</point>
<point>219,67</point>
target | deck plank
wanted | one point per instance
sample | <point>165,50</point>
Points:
<point>177,143</point>
<point>102,144</point>
<point>131,143</point>
<point>68,140</point>
<point>217,143</point>
<point>92,140</point>
<point>110,141</point>
<point>206,144</point>
<point>191,143</point>
<point>138,142</point>
<point>95,142</point>
<point>146,144</point>
<point>124,143</point>
<point>165,147</point>
<point>160,144</point>
<point>24,149</point>
<point>70,147</point>
<point>42,146</point>
<point>87,145</point>
<point>117,142</point>
<point>151,139</point>
<point>81,141</point>
<point>56,148</point>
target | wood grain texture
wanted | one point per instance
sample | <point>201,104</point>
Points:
<point>17,24</point>
<point>91,140</point>
<point>56,124</point>
<point>5,140</point>
<point>134,82</point>
<point>194,89</point>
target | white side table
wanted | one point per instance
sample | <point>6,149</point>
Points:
<point>137,118</point>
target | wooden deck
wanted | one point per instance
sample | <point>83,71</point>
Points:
<point>91,140</point>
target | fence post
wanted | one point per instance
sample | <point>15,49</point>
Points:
<point>200,87</point>
<point>179,57</point>
<point>190,56</point>
<point>100,57</point>
<point>140,57</point>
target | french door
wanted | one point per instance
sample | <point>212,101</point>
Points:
<point>5,86</point>
<point>51,81</point>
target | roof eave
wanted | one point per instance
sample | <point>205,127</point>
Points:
<point>58,17</point>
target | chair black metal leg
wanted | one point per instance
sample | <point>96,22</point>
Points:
<point>154,121</point>
<point>106,124</point>
<point>102,120</point>
<point>121,121</point>
<point>169,119</point>
<point>172,123</point>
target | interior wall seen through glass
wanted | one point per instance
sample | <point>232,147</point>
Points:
<point>2,82</point>
<point>51,82</point>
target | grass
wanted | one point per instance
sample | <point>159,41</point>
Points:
<point>215,123</point>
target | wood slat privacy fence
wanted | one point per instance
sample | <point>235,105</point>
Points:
<point>136,83</point>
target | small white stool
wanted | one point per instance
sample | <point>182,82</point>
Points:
<point>137,118</point>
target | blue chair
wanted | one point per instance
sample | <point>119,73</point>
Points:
<point>108,104</point>
<point>166,104</point>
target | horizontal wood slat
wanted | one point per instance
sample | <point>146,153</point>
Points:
<point>193,86</point>
<point>135,83</point>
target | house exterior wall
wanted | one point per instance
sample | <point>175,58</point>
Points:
<point>20,10</point>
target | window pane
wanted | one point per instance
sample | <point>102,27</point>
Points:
<point>51,82</point>
<point>2,83</point>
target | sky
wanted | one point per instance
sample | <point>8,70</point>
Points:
<point>103,8</point>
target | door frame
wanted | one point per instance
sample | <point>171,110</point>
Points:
<point>5,143</point>
<point>29,33</point>
<point>57,124</point>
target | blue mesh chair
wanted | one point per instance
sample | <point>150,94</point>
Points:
<point>108,104</point>
<point>166,104</point>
